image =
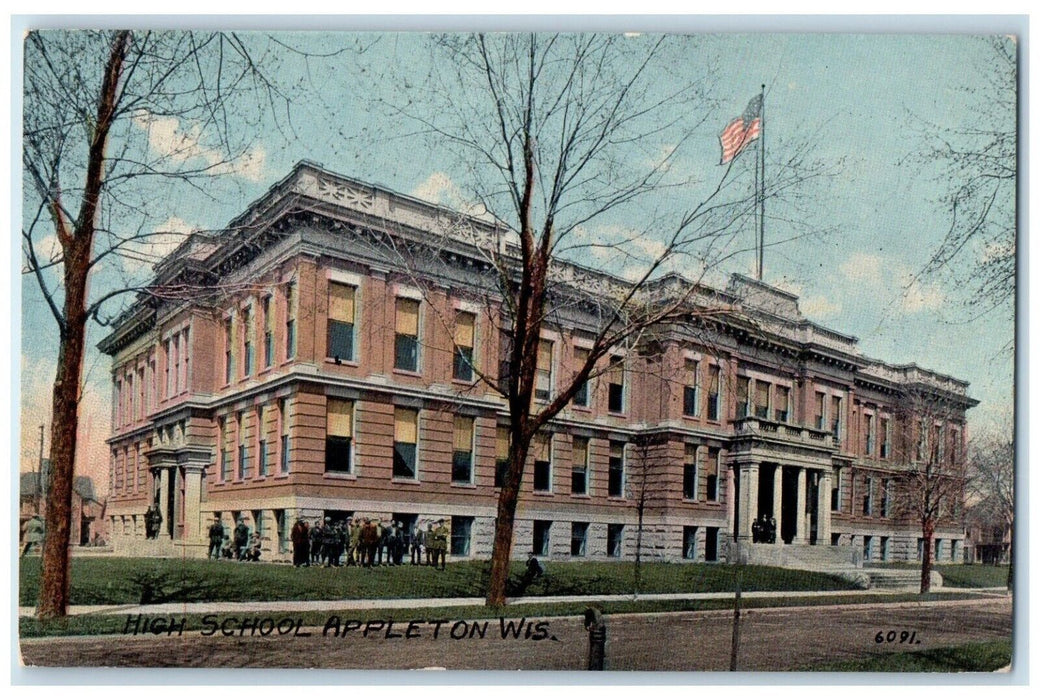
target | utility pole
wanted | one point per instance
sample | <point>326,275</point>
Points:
<point>37,482</point>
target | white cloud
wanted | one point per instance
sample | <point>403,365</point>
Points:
<point>819,307</point>
<point>94,421</point>
<point>862,267</point>
<point>142,254</point>
<point>167,138</point>
<point>920,296</point>
<point>439,189</point>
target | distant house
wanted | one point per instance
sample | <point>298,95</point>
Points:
<point>88,522</point>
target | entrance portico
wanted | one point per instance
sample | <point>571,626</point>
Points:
<point>782,472</point>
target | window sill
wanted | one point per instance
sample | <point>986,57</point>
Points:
<point>468,383</point>
<point>617,499</point>
<point>617,414</point>
<point>344,476</point>
<point>341,363</point>
<point>404,480</point>
<point>463,485</point>
<point>408,372</point>
<point>542,493</point>
<point>580,407</point>
<point>582,496</point>
<point>280,477</point>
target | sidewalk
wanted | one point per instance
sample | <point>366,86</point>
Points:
<point>277,606</point>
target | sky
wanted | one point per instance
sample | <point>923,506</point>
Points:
<point>855,100</point>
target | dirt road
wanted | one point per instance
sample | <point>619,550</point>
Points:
<point>772,640</point>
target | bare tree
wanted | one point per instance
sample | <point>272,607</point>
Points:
<point>113,120</point>
<point>557,134</point>
<point>991,487</point>
<point>930,488</point>
<point>977,161</point>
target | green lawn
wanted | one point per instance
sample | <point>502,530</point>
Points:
<point>114,624</point>
<point>964,575</point>
<point>113,581</point>
<point>980,656</point>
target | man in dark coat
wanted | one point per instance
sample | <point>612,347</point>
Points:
<point>216,538</point>
<point>241,538</point>
<point>315,535</point>
<point>301,543</point>
<point>369,542</point>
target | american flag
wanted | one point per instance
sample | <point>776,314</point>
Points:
<point>742,130</point>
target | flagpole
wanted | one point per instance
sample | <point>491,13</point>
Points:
<point>760,180</point>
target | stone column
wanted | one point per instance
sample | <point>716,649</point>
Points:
<point>748,499</point>
<point>823,516</point>
<point>164,502</point>
<point>193,530</point>
<point>778,498</point>
<point>799,522</point>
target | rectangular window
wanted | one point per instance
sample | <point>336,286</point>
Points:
<point>714,392</point>
<point>922,440</point>
<point>175,343</point>
<point>886,437</point>
<point>781,411</point>
<point>462,452</point>
<point>868,434</point>
<point>247,342</point>
<point>711,544</point>
<point>886,498</point>
<point>540,538</point>
<point>131,414</point>
<point>461,535</point>
<point>283,412</point>
<point>616,385</point>
<point>868,496</point>
<point>820,411</point>
<point>689,542</point>
<point>541,449</point>
<point>243,449</point>
<point>406,338</point>
<point>743,397</point>
<point>690,473</point>
<point>579,533</point>
<point>580,466</point>
<point>465,330</point>
<point>836,416</point>
<point>290,321</point>
<point>691,391</point>
<point>229,354</point>
<point>868,543</point>
<point>406,437</point>
<point>581,396</point>
<point>142,409</point>
<point>836,490</point>
<point>616,474</point>
<point>340,326</point>
<point>920,549</point>
<point>711,475</point>
<point>261,444</point>
<point>225,450</point>
<point>884,549</point>
<point>615,537</point>
<point>268,332</point>
<point>185,357</point>
<point>543,371</point>
<point>762,399</point>
<point>501,455</point>
<point>339,434</point>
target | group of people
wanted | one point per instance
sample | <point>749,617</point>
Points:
<point>241,544</point>
<point>764,530</point>
<point>368,542</point>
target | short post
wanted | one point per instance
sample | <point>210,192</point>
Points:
<point>734,651</point>
<point>597,639</point>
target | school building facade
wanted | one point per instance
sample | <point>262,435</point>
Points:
<point>299,365</point>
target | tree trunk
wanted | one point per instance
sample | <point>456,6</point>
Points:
<point>928,532</point>
<point>54,582</point>
<point>501,551</point>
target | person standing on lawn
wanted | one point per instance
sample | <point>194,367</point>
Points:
<point>216,538</point>
<point>418,538</point>
<point>301,543</point>
<point>32,534</point>
<point>241,538</point>
<point>440,541</point>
